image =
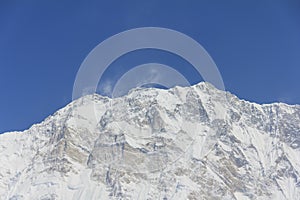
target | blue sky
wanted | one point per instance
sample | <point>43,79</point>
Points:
<point>255,44</point>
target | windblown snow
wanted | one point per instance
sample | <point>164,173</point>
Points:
<point>183,143</point>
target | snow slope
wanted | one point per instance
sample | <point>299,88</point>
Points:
<point>182,143</point>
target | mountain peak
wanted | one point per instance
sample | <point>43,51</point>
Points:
<point>193,142</point>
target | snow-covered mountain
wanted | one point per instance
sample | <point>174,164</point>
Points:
<point>182,143</point>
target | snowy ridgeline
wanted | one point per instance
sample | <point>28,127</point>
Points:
<point>183,143</point>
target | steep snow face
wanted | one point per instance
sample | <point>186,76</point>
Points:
<point>183,143</point>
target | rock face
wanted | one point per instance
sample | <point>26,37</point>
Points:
<point>182,143</point>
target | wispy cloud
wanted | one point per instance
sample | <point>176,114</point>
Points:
<point>106,88</point>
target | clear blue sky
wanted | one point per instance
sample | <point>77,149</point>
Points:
<point>255,44</point>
